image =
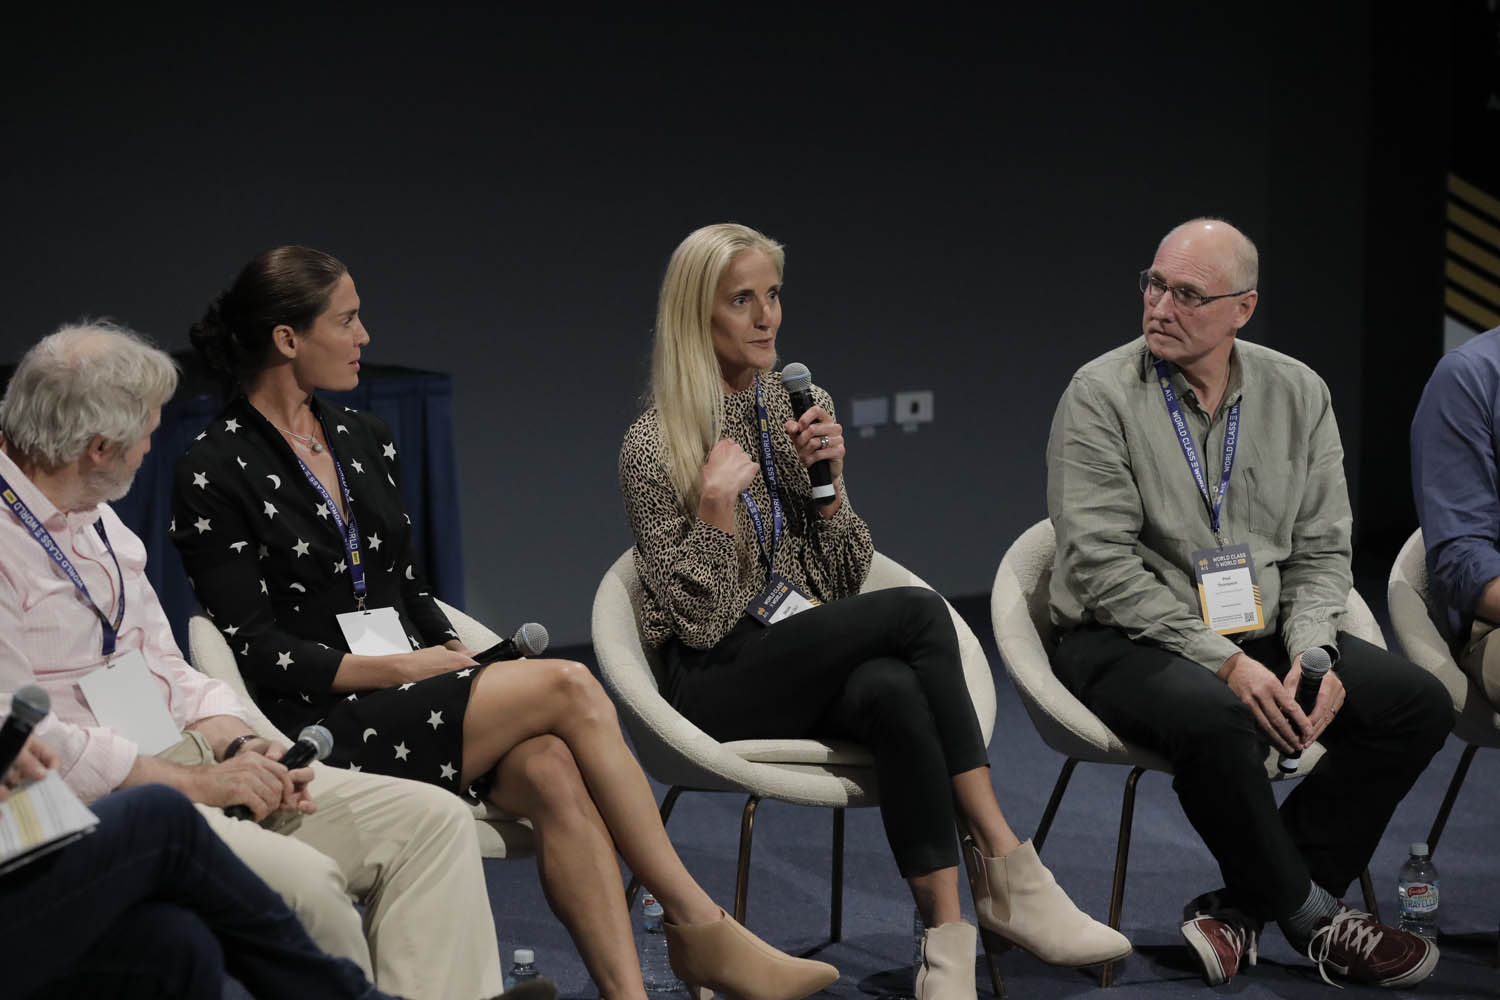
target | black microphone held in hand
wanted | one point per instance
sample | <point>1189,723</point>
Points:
<point>28,706</point>
<point>313,743</point>
<point>798,382</point>
<point>530,640</point>
<point>1315,663</point>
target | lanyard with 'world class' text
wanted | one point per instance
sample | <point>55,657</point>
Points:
<point>1190,451</point>
<point>768,464</point>
<point>49,544</point>
<point>348,529</point>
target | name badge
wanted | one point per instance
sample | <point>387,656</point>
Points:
<point>1227,589</point>
<point>125,697</point>
<point>376,632</point>
<point>779,601</point>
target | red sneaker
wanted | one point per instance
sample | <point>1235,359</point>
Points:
<point>1357,947</point>
<point>1221,947</point>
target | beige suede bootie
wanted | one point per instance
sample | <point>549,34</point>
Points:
<point>1017,898</point>
<point>721,956</point>
<point>947,971</point>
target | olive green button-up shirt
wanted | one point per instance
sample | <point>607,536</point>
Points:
<point>1128,513</point>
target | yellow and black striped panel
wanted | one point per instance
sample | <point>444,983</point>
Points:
<point>1472,266</point>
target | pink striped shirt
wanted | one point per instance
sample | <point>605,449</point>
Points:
<point>49,636</point>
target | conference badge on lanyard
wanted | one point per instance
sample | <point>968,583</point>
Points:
<point>779,601</point>
<point>1228,590</point>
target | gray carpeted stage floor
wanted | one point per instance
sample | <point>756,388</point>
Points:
<point>789,883</point>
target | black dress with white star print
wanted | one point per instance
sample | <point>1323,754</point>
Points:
<point>269,567</point>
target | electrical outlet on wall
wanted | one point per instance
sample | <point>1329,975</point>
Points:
<point>870,413</point>
<point>913,408</point>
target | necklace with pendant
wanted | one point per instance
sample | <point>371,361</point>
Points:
<point>305,440</point>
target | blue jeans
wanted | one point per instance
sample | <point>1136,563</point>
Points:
<point>153,904</point>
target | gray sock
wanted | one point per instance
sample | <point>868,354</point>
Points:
<point>1319,903</point>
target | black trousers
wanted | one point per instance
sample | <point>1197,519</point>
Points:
<point>1394,718</point>
<point>881,669</point>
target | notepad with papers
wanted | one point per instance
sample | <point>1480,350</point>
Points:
<point>40,818</point>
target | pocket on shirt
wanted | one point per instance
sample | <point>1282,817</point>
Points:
<point>1272,507</point>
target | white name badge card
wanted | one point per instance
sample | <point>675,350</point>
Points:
<point>1228,590</point>
<point>125,697</point>
<point>779,601</point>
<point>376,632</point>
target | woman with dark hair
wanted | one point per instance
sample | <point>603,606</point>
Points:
<point>715,484</point>
<point>290,524</point>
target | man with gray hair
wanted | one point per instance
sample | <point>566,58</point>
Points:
<point>78,617</point>
<point>1196,486</point>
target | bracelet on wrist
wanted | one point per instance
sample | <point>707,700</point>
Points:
<point>237,744</point>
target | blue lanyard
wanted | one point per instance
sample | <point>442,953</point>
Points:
<point>1189,450</point>
<point>49,544</point>
<point>768,465</point>
<point>348,531</point>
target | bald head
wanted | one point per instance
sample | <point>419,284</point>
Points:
<point>1219,246</point>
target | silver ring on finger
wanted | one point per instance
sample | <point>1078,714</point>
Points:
<point>823,442</point>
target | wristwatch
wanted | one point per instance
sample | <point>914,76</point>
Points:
<point>238,743</point>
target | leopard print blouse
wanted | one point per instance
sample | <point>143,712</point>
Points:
<point>698,579</point>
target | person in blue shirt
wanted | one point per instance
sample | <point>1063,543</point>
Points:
<point>1455,471</point>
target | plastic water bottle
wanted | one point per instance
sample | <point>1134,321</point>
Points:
<point>656,967</point>
<point>523,967</point>
<point>1417,886</point>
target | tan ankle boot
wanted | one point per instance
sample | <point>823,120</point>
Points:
<point>947,971</point>
<point>1017,898</point>
<point>722,956</point>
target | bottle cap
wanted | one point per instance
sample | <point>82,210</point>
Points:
<point>1419,849</point>
<point>524,956</point>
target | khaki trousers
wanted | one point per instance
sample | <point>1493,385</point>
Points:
<point>406,851</point>
<point>1481,660</point>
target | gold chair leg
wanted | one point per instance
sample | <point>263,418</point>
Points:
<point>742,879</point>
<point>836,904</point>
<point>1441,820</point>
<point>1122,856</point>
<point>668,801</point>
<point>1040,836</point>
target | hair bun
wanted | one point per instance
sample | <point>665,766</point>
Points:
<point>214,341</point>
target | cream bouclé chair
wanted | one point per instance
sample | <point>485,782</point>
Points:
<point>1475,720</point>
<point>809,772</point>
<point>501,835</point>
<point>1023,634</point>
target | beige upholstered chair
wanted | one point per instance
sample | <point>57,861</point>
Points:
<point>806,772</point>
<point>1475,720</point>
<point>1023,634</point>
<point>501,835</point>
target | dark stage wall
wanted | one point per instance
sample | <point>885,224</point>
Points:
<point>965,206</point>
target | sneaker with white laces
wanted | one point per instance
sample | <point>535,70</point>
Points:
<point>1222,946</point>
<point>1357,947</point>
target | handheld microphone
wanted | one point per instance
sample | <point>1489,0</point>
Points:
<point>313,743</point>
<point>28,706</point>
<point>530,640</point>
<point>798,382</point>
<point>1315,663</point>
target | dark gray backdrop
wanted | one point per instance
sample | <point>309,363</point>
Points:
<point>964,202</point>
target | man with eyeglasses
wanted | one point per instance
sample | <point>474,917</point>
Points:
<point>1196,486</point>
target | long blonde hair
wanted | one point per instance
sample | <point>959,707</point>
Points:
<point>686,384</point>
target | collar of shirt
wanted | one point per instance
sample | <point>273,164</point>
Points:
<point>1238,377</point>
<point>45,510</point>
